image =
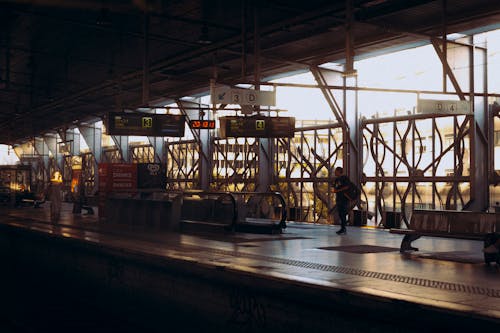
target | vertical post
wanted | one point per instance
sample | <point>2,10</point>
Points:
<point>445,39</point>
<point>349,49</point>
<point>74,140</point>
<point>51,142</point>
<point>352,136</point>
<point>205,165</point>
<point>42,150</point>
<point>145,63</point>
<point>243,39</point>
<point>192,111</point>
<point>479,127</point>
<point>7,59</point>
<point>265,149</point>
<point>93,137</point>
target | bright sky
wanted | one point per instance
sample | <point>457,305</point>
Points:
<point>7,156</point>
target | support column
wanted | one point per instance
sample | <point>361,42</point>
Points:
<point>73,140</point>
<point>145,62</point>
<point>22,149</point>
<point>158,144</point>
<point>42,150</point>
<point>344,106</point>
<point>121,142</point>
<point>51,142</point>
<point>353,161</point>
<point>440,47</point>
<point>193,111</point>
<point>265,144</point>
<point>325,77</point>
<point>349,43</point>
<point>479,145</point>
<point>93,138</point>
<point>475,59</point>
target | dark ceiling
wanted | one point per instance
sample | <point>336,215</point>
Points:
<point>62,62</point>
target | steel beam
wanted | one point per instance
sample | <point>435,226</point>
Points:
<point>322,77</point>
<point>353,160</point>
<point>93,138</point>
<point>437,43</point>
<point>265,145</point>
<point>349,40</point>
<point>193,110</point>
<point>121,142</point>
<point>480,143</point>
<point>145,62</point>
<point>73,139</point>
<point>51,141</point>
<point>41,149</point>
<point>158,144</point>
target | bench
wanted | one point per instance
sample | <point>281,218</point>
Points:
<point>447,224</point>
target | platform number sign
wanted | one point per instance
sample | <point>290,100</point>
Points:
<point>236,98</point>
<point>431,106</point>
<point>147,122</point>
<point>260,125</point>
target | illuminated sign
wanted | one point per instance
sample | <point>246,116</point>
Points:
<point>121,123</point>
<point>258,127</point>
<point>202,124</point>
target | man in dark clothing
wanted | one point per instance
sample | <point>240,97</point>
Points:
<point>340,186</point>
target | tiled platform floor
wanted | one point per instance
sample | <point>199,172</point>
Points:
<point>446,273</point>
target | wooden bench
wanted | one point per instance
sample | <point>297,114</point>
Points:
<point>447,224</point>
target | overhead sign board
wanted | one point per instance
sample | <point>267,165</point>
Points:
<point>258,127</point>
<point>226,95</point>
<point>122,123</point>
<point>433,106</point>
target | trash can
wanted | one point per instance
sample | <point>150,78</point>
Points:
<point>359,217</point>
<point>392,220</point>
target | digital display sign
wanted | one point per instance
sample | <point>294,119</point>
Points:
<point>257,126</point>
<point>202,124</point>
<point>144,124</point>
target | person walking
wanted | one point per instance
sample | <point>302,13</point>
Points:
<point>341,185</point>
<point>55,196</point>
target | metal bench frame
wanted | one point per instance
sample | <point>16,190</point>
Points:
<point>412,234</point>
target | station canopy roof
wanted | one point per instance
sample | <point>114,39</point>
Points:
<point>65,62</point>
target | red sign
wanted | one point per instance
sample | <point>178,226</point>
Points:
<point>115,177</point>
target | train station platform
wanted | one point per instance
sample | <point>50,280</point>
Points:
<point>306,279</point>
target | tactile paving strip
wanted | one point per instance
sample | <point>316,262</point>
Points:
<point>457,287</point>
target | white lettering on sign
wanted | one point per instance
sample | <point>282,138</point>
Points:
<point>122,175</point>
<point>122,185</point>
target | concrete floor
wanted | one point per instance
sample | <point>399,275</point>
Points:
<point>445,273</point>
